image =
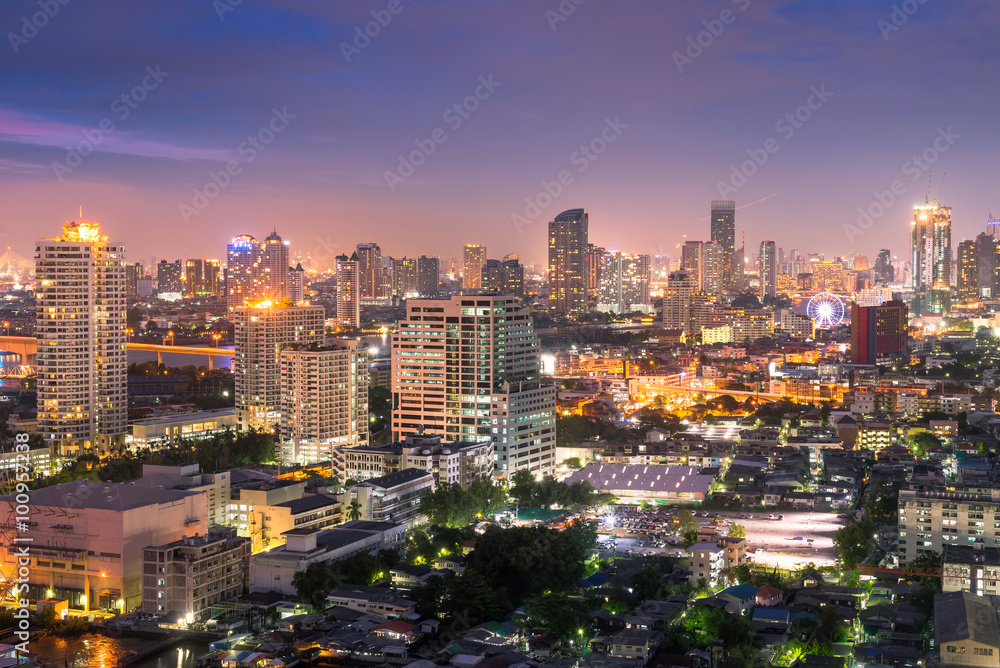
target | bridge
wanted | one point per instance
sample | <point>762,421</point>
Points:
<point>27,347</point>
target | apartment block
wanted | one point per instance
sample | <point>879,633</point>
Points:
<point>394,497</point>
<point>971,569</point>
<point>450,462</point>
<point>186,577</point>
<point>930,519</point>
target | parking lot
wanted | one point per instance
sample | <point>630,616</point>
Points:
<point>799,538</point>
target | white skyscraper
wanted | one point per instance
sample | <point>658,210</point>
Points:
<point>348,291</point>
<point>80,327</point>
<point>261,333</point>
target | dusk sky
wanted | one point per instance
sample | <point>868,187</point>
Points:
<point>212,75</point>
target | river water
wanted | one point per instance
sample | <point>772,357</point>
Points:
<point>91,650</point>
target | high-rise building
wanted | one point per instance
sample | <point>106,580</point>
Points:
<point>724,233</point>
<point>256,271</point>
<point>296,283</point>
<point>878,333</point>
<point>168,278</point>
<point>370,270</point>
<point>348,291</point>
<point>691,256</point>
<point>883,267</point>
<point>404,276</point>
<point>568,234</point>
<point>133,272</point>
<point>677,301</point>
<point>472,267</point>
<point>710,268</point>
<point>467,368</point>
<point>988,265</point>
<point>625,283</point>
<point>930,244</point>
<point>324,399</point>
<point>504,277</point>
<point>80,330</point>
<point>968,271</point>
<point>201,277</point>
<point>428,275</point>
<point>261,333</point>
<point>593,263</point>
<point>768,269</point>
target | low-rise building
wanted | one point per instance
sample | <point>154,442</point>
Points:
<point>449,461</point>
<point>390,498</point>
<point>274,570</point>
<point>965,568</point>
<point>161,432</point>
<point>707,561</point>
<point>966,631</point>
<point>655,482</point>
<point>188,576</point>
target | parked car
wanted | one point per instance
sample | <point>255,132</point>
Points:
<point>781,517</point>
<point>770,517</point>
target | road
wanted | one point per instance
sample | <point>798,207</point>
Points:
<point>777,537</point>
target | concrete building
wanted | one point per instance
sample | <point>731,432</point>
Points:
<point>450,462</point>
<point>164,431</point>
<point>966,631</point>
<point>261,332</point>
<point>324,399</point>
<point>216,486</point>
<point>428,275</point>
<point>263,509</point>
<point>624,284</point>
<point>723,226</point>
<point>503,277</point>
<point>80,330</point>
<point>296,284</point>
<point>707,561</point>
<point>677,301</point>
<point>930,519</point>
<point>567,255</point>
<point>186,577</point>
<point>468,368</point>
<point>394,497</point>
<point>966,568</point>
<point>472,266</point>
<point>86,539</point>
<point>256,271</point>
<point>348,291</point>
<point>369,256</point>
<point>274,570</point>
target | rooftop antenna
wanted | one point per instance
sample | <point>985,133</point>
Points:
<point>941,189</point>
<point>927,197</point>
<point>81,212</point>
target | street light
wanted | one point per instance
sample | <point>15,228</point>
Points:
<point>128,334</point>
<point>216,336</point>
<point>170,335</point>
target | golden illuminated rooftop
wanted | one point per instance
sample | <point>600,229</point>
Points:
<point>82,230</point>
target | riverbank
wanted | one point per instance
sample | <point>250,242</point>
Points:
<point>93,650</point>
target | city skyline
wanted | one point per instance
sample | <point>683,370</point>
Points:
<point>318,182</point>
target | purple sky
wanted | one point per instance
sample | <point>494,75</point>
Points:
<point>322,183</point>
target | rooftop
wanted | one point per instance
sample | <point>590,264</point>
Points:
<point>397,478</point>
<point>102,495</point>
<point>963,616</point>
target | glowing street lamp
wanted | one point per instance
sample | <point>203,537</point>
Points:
<point>216,336</point>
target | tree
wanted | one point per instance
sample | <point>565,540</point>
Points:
<point>379,399</point>
<point>573,463</point>
<point>737,531</point>
<point>855,542</point>
<point>686,521</point>
<point>567,617</point>
<point>922,441</point>
<point>354,511</point>
<point>689,538</point>
<point>882,500</point>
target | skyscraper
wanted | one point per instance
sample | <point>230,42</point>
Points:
<point>968,271</point>
<point>691,256</point>
<point>324,399</point>
<point>261,333</point>
<point>493,394</point>
<point>504,277</point>
<point>428,275</point>
<point>404,276</point>
<point>296,283</point>
<point>472,266</point>
<point>568,234</point>
<point>625,283</point>
<point>593,264</point>
<point>878,333</point>
<point>724,233</point>
<point>348,291</point>
<point>930,244</point>
<point>80,330</point>
<point>133,272</point>
<point>883,267</point>
<point>369,270</point>
<point>710,268</point>
<point>677,301</point>
<point>256,271</point>
<point>768,269</point>
<point>168,277</point>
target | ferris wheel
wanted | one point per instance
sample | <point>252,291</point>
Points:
<point>826,310</point>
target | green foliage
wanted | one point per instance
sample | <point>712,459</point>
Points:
<point>379,399</point>
<point>737,531</point>
<point>855,542</point>
<point>703,625</point>
<point>50,619</point>
<point>689,538</point>
<point>920,442</point>
<point>422,547</point>
<point>454,506</point>
<point>566,616</point>
<point>549,492</point>
<point>522,562</point>
<point>573,463</point>
<point>314,584</point>
<point>354,511</point>
<point>882,501</point>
